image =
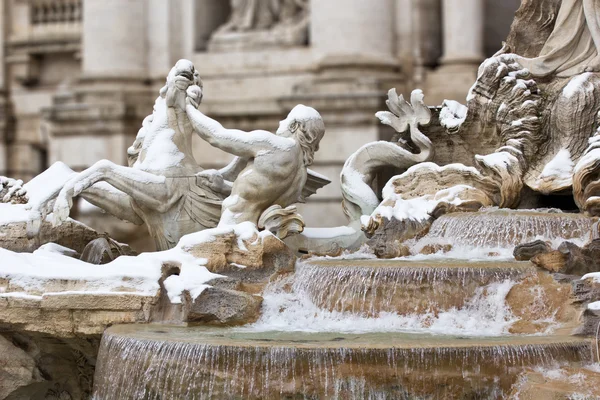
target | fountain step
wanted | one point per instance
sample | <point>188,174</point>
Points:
<point>404,287</point>
<point>436,295</point>
<point>508,228</point>
<point>196,363</point>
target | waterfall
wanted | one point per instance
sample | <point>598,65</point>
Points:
<point>508,228</point>
<point>368,296</point>
<point>147,362</point>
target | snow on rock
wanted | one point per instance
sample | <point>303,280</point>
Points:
<point>595,276</point>
<point>560,168</point>
<point>594,306</point>
<point>452,115</point>
<point>32,273</point>
<point>418,208</point>
<point>576,84</point>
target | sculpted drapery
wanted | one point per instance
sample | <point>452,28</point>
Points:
<point>573,46</point>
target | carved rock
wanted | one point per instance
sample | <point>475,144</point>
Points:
<point>17,369</point>
<point>251,259</point>
<point>71,234</point>
<point>526,251</point>
<point>569,259</point>
<point>224,307</point>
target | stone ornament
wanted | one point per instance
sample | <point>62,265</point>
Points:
<point>361,167</point>
<point>531,121</point>
<point>260,23</point>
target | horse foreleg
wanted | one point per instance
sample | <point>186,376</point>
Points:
<point>146,189</point>
<point>112,201</point>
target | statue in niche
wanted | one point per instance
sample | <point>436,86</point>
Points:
<point>261,23</point>
<point>168,191</point>
<point>531,122</point>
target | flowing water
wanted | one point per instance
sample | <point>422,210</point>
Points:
<point>158,362</point>
<point>437,296</point>
<point>508,228</point>
<point>422,327</point>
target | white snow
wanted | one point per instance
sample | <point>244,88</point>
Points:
<point>419,208</point>
<point>595,306</point>
<point>593,275</point>
<point>316,174</point>
<point>453,114</point>
<point>560,167</point>
<point>31,272</point>
<point>576,84</point>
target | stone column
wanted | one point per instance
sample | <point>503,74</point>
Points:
<point>114,38</point>
<point>353,31</point>
<point>463,30</point>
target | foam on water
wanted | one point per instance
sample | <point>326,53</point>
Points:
<point>498,228</point>
<point>485,314</point>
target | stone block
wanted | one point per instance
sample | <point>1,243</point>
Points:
<point>526,251</point>
<point>92,301</point>
<point>223,307</point>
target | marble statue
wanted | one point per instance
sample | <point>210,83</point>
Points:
<point>273,168</point>
<point>163,187</point>
<point>530,122</point>
<point>260,23</point>
<point>168,191</point>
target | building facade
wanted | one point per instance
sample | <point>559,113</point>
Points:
<point>77,77</point>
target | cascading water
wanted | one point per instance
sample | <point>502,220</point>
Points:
<point>508,228</point>
<point>392,296</point>
<point>154,362</point>
<point>426,326</point>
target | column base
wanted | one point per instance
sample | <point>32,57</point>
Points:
<point>451,82</point>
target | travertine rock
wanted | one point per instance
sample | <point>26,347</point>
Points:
<point>71,234</point>
<point>435,248</point>
<point>261,256</point>
<point>539,302</point>
<point>526,251</point>
<point>572,382</point>
<point>38,366</point>
<point>569,259</point>
<point>17,369</point>
<point>224,307</point>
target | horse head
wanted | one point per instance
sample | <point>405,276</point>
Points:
<point>182,80</point>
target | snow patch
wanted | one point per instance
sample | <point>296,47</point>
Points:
<point>452,115</point>
<point>559,168</point>
<point>576,85</point>
<point>595,306</point>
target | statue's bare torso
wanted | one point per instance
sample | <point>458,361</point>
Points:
<point>267,180</point>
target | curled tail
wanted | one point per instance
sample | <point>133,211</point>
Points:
<point>360,169</point>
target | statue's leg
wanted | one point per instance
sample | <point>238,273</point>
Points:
<point>112,201</point>
<point>148,190</point>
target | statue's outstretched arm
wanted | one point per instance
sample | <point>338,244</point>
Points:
<point>233,141</point>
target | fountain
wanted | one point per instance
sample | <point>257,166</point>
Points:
<point>451,281</point>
